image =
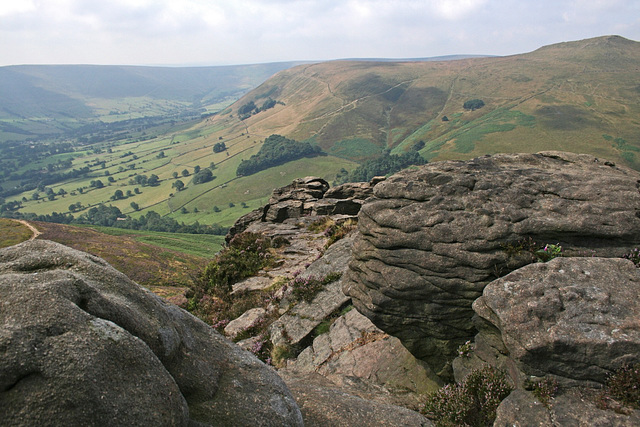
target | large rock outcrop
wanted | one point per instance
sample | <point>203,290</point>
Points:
<point>80,344</point>
<point>433,237</point>
<point>574,318</point>
<point>570,320</point>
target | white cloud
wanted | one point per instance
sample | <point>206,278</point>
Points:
<point>12,7</point>
<point>456,9</point>
<point>244,31</point>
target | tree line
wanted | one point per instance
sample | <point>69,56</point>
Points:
<point>111,216</point>
<point>384,165</point>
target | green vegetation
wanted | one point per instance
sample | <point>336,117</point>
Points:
<point>249,109</point>
<point>387,164</point>
<point>473,104</point>
<point>12,233</point>
<point>205,175</point>
<point>544,390</point>
<point>472,402</point>
<point>276,151</point>
<point>246,254</point>
<point>358,149</point>
<point>306,288</point>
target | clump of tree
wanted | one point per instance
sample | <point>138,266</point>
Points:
<point>250,108</point>
<point>204,175</point>
<point>275,151</point>
<point>473,104</point>
<point>384,165</point>
<point>219,147</point>
<point>145,181</point>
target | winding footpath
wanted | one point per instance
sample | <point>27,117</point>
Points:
<point>35,231</point>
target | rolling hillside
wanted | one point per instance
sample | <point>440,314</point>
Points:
<point>580,96</point>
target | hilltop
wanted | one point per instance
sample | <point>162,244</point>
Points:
<point>579,96</point>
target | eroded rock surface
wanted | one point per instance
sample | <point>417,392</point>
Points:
<point>575,318</point>
<point>433,237</point>
<point>80,344</point>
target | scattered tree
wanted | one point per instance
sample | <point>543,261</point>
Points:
<point>117,195</point>
<point>178,185</point>
<point>135,206</point>
<point>219,147</point>
<point>473,104</point>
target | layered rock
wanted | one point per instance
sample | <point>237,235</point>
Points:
<point>310,196</point>
<point>324,404</point>
<point>80,344</point>
<point>432,238</point>
<point>359,358</point>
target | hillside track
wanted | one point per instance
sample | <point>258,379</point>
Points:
<point>34,230</point>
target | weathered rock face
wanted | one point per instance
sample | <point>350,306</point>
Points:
<point>363,360</point>
<point>432,238</point>
<point>307,196</point>
<point>323,404</point>
<point>573,318</point>
<point>80,344</point>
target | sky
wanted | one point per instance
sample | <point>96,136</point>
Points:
<point>226,32</point>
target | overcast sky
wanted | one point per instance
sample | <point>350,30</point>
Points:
<point>221,32</point>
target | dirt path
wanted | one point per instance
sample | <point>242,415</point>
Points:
<point>35,231</point>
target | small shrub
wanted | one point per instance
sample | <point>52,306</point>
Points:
<point>472,402</point>
<point>280,354</point>
<point>549,252</point>
<point>465,349</point>
<point>624,386</point>
<point>338,231</point>
<point>280,242</point>
<point>246,254</point>
<point>320,225</point>
<point>541,254</point>
<point>633,256</point>
<point>544,390</point>
<point>262,348</point>
<point>305,289</point>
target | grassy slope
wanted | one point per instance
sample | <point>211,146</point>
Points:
<point>579,96</point>
<point>150,259</point>
<point>184,149</point>
<point>572,96</point>
<point>12,233</point>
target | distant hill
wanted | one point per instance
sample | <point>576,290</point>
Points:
<point>41,99</point>
<point>581,96</point>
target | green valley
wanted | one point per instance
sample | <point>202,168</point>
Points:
<point>580,96</point>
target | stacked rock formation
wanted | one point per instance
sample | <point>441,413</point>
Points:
<point>432,238</point>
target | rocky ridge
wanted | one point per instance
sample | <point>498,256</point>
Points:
<point>443,254</point>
